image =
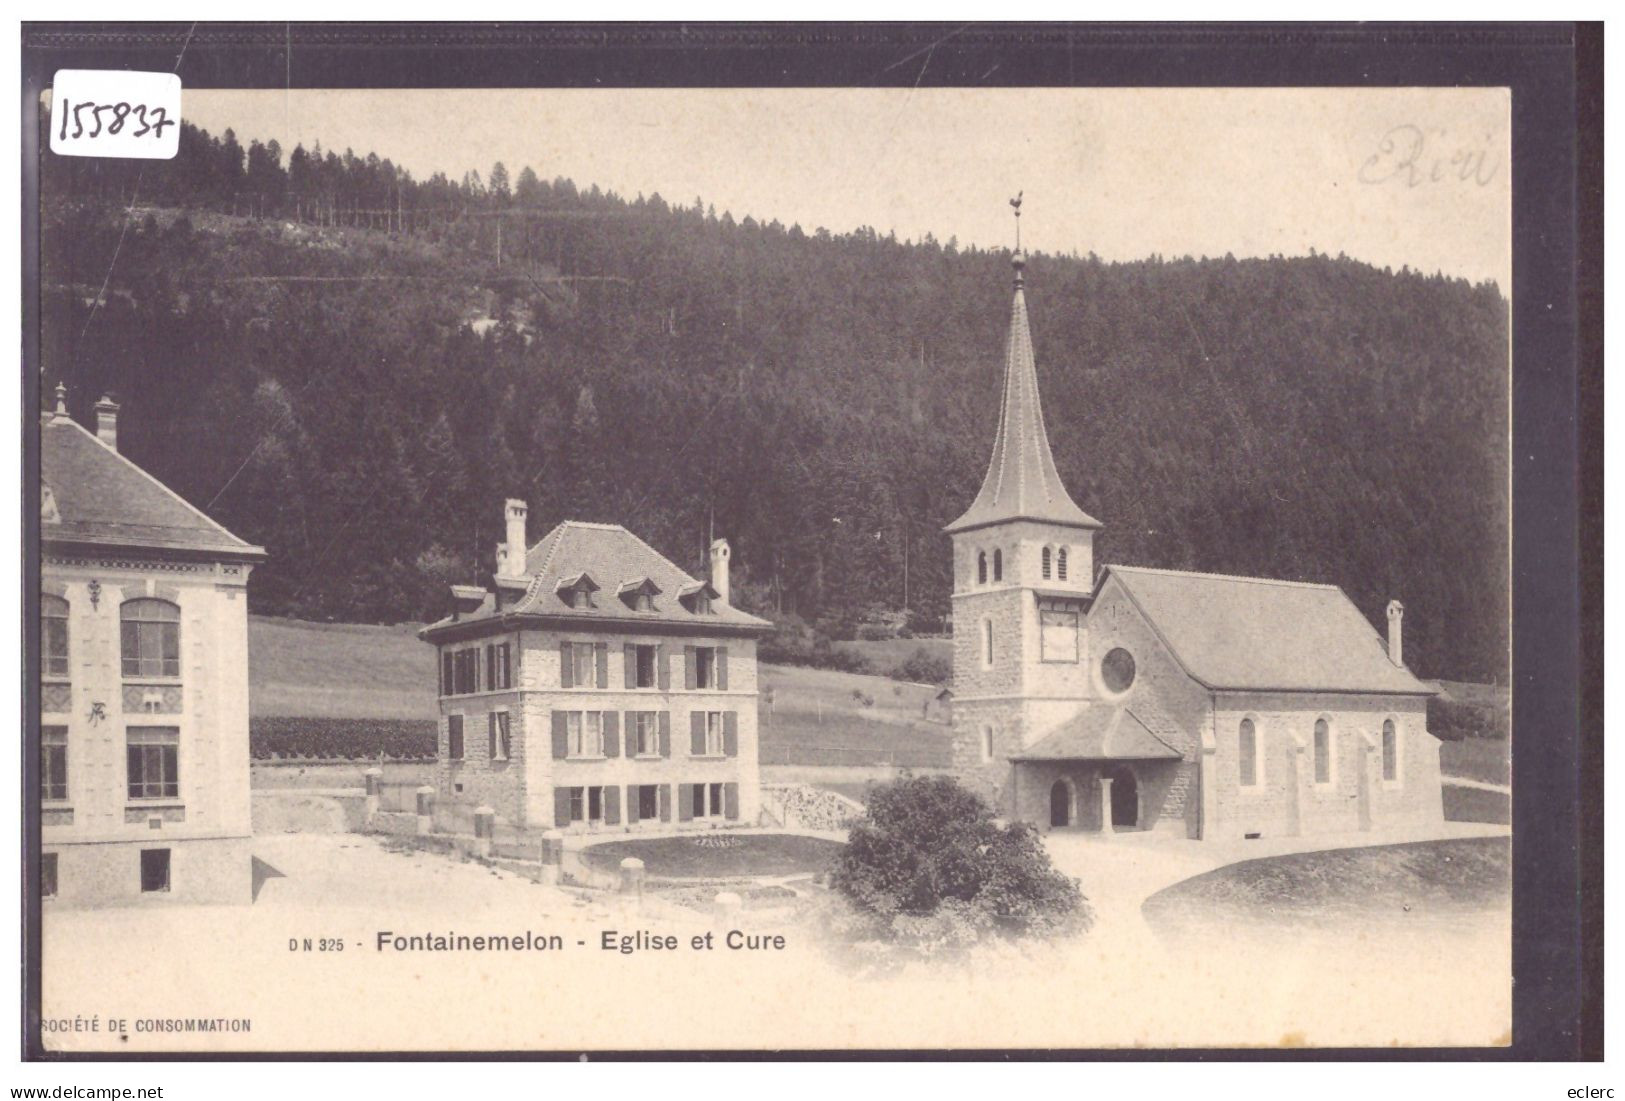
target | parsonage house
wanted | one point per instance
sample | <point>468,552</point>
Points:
<point>1205,706</point>
<point>596,686</point>
<point>143,675</point>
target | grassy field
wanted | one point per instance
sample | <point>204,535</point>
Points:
<point>1429,882</point>
<point>719,855</point>
<point>885,655</point>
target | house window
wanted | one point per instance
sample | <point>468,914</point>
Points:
<point>713,733</point>
<point>648,801</point>
<point>1247,753</point>
<point>454,737</point>
<point>501,742</point>
<point>987,743</point>
<point>643,666</point>
<point>587,804</point>
<point>53,762</point>
<point>646,733</point>
<point>987,644</point>
<point>150,638</point>
<point>583,673</point>
<point>1060,564</point>
<point>47,875</point>
<point>152,759</point>
<point>448,675</point>
<point>498,666</point>
<point>1390,751</point>
<point>998,565</point>
<point>584,733</point>
<point>154,870</point>
<point>1117,670</point>
<point>462,672</point>
<point>54,636</point>
<point>1044,560</point>
<point>707,801</point>
<point>643,602</point>
<point>702,604</point>
<point>705,667</point>
<point>1323,752</point>
<point>981,567</point>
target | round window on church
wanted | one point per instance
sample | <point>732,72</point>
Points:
<point>1117,670</point>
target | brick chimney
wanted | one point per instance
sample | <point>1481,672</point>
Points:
<point>720,553</point>
<point>1396,640</point>
<point>512,562</point>
<point>107,421</point>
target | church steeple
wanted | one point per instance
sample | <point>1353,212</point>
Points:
<point>1022,482</point>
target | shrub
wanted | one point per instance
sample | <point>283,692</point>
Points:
<point>929,869</point>
<point>926,668</point>
<point>350,739</point>
<point>1451,721</point>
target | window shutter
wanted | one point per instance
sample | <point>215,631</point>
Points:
<point>561,737</point>
<point>688,667</point>
<point>561,806</point>
<point>446,680</point>
<point>565,680</point>
<point>663,667</point>
<point>730,733</point>
<point>612,733</point>
<point>663,798</point>
<point>722,668</point>
<point>491,735</point>
<point>665,735</point>
<point>630,654</point>
<point>490,665</point>
<point>685,803</point>
<point>612,806</point>
<point>600,653</point>
<point>631,805</point>
<point>730,800</point>
<point>696,733</point>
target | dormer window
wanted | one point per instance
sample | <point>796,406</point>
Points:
<point>639,594</point>
<point>698,597</point>
<point>577,591</point>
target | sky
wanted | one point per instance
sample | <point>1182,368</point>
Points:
<point>1394,177</point>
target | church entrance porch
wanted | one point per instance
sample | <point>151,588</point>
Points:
<point>1101,797</point>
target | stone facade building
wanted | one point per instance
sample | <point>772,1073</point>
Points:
<point>596,686</point>
<point>1201,705</point>
<point>143,678</point>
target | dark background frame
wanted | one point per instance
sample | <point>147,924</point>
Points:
<point>1555,73</point>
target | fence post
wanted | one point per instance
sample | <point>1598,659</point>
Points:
<point>484,830</point>
<point>552,856</point>
<point>425,810</point>
<point>375,784</point>
<point>632,882</point>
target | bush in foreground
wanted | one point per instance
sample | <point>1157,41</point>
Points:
<point>929,869</point>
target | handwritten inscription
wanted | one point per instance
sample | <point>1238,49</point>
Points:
<point>112,123</point>
<point>1412,156</point>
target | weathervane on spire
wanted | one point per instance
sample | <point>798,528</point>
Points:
<point>1016,203</point>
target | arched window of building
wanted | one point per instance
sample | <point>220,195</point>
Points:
<point>1060,563</point>
<point>981,567</point>
<point>1390,751</point>
<point>987,644</point>
<point>998,565</point>
<point>1323,752</point>
<point>1044,561</point>
<point>987,743</point>
<point>1247,753</point>
<point>150,638</point>
<point>54,636</point>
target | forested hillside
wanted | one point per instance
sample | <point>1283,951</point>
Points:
<point>354,368</point>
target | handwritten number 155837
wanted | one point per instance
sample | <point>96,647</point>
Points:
<point>152,119</point>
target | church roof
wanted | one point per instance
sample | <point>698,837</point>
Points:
<point>92,495</point>
<point>1257,634</point>
<point>612,557</point>
<point>1022,482</point>
<point>1100,732</point>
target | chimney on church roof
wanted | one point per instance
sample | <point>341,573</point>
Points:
<point>1396,638</point>
<point>1022,482</point>
<point>107,421</point>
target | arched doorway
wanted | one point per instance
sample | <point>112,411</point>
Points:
<point>1060,804</point>
<point>1125,798</point>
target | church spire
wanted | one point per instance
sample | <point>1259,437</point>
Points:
<point>1022,482</point>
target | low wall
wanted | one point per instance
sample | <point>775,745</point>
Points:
<point>298,811</point>
<point>316,773</point>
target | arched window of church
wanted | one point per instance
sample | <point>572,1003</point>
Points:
<point>1390,751</point>
<point>1247,754</point>
<point>1044,560</point>
<point>981,567</point>
<point>998,565</point>
<point>987,743</point>
<point>1323,752</point>
<point>987,643</point>
<point>1060,564</point>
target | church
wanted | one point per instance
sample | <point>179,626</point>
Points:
<point>1132,699</point>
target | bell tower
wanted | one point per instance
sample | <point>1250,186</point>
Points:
<point>1023,571</point>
